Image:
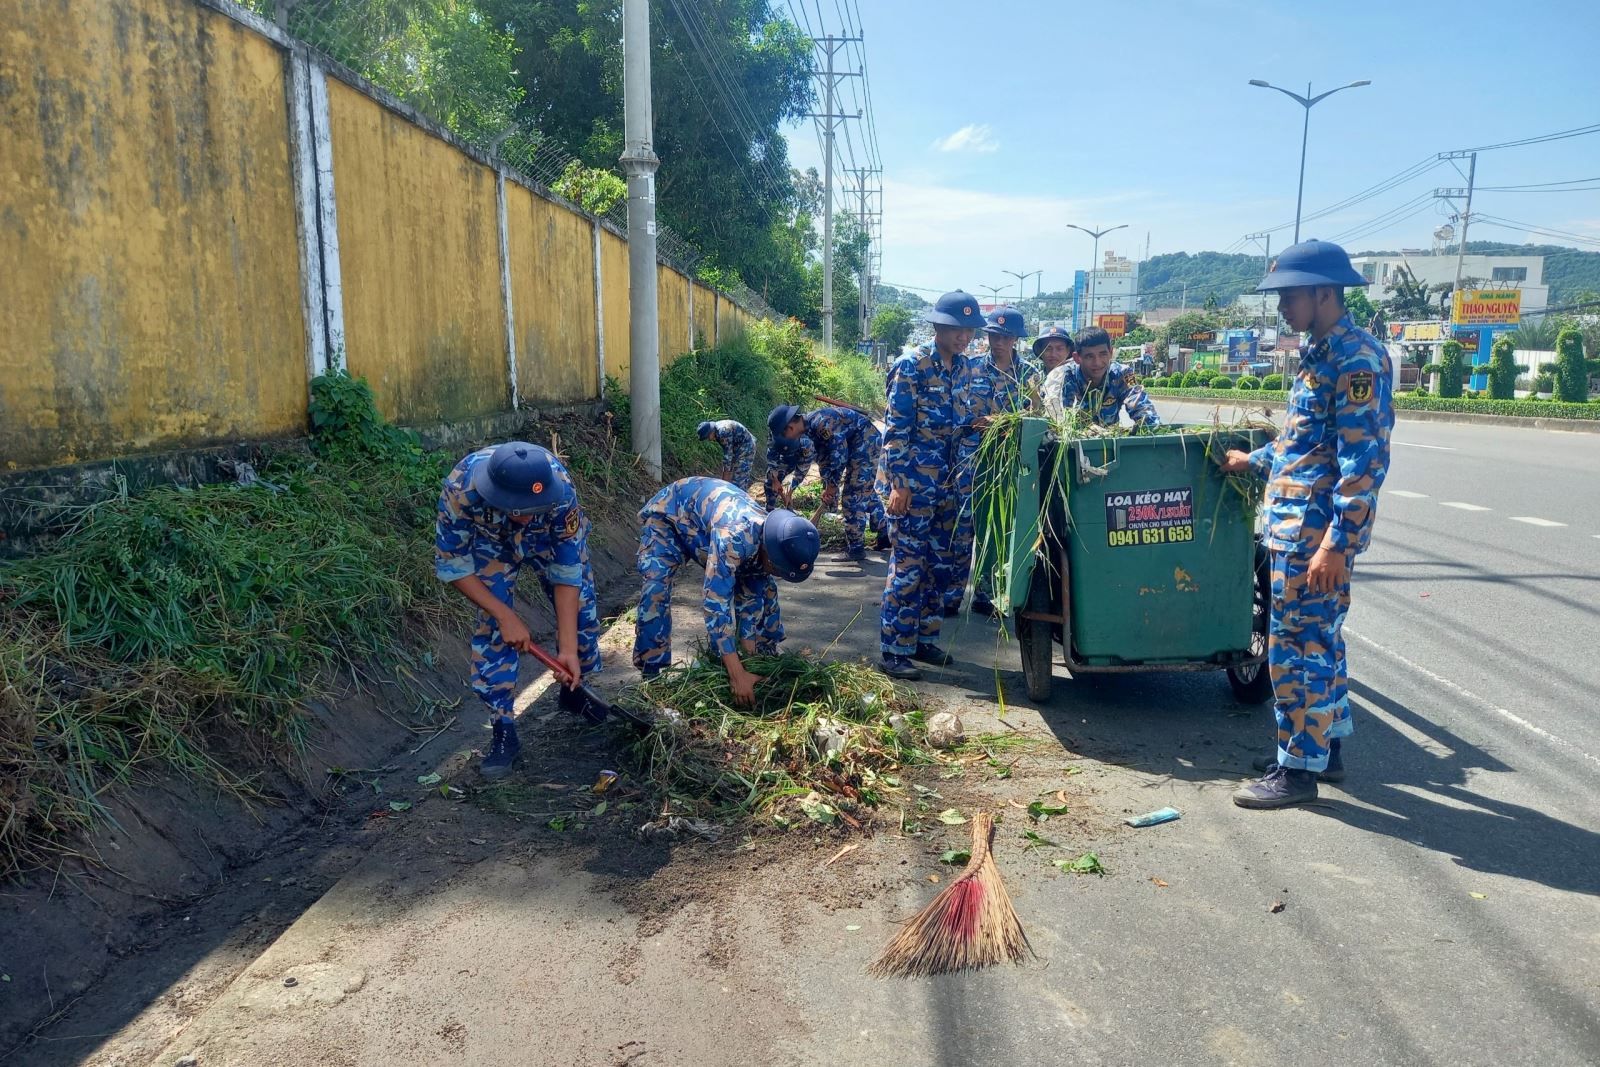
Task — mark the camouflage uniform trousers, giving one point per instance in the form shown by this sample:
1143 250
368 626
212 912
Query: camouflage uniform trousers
743 467
858 504
913 602
1305 658
494 663
956 567
660 556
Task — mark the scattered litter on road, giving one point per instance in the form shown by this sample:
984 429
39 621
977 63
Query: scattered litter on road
675 826
952 817
945 730
846 850
604 780
428 779
1154 818
290 982
1035 840
399 805
1159 883
1277 906
1040 812
852 927
1088 863
1479 896
953 855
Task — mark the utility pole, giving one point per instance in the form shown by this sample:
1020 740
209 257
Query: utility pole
639 163
864 214
1308 102
1466 212
830 46
1266 265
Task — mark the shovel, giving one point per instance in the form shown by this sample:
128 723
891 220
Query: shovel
585 700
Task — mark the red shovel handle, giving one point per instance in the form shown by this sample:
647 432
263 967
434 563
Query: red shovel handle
562 674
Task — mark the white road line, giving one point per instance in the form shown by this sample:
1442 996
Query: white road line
1532 521
1439 680
1407 494
1413 444
1463 507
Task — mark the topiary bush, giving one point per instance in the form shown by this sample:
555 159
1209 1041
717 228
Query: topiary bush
1248 381
1572 374
1451 366
1503 370
1272 381
1222 381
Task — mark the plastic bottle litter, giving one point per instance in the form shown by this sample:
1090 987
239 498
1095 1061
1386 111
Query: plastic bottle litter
1154 818
605 780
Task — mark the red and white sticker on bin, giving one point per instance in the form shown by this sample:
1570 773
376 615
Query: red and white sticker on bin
1150 517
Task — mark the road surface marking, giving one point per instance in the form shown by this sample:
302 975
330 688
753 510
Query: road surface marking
1463 507
1408 494
1470 695
1532 521
1413 444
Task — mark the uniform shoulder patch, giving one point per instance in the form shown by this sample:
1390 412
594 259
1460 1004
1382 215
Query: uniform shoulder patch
1361 386
1130 380
574 523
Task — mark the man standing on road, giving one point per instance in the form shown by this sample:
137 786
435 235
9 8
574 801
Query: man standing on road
1099 385
999 383
1323 474
929 391
741 548
501 508
738 449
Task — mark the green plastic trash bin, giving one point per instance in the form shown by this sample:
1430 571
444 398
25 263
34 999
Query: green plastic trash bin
1161 551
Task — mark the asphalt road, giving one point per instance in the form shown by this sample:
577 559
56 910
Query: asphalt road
1442 906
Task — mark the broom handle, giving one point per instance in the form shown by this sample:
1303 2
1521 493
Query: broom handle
843 404
982 832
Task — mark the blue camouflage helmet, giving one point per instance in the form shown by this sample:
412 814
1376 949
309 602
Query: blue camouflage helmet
1311 263
704 430
519 480
781 417
955 308
1008 321
791 543
1054 333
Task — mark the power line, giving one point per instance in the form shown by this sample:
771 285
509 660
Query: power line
1559 135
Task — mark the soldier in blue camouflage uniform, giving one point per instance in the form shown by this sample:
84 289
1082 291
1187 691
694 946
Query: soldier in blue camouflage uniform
789 458
847 447
998 383
1323 474
741 547
502 508
1052 348
1095 379
738 450
929 397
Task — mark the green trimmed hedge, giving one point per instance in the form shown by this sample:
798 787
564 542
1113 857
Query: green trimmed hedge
1531 409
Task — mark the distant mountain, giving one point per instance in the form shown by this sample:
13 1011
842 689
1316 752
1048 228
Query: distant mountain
1162 279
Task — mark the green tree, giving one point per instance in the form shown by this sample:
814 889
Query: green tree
892 326
1572 374
1361 308
726 76
1410 299
1182 330
1450 369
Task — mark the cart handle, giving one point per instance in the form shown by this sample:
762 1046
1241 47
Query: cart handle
1087 469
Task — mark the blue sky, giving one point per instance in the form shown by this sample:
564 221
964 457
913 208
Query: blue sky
1000 122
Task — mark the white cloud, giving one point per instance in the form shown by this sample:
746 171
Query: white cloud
974 137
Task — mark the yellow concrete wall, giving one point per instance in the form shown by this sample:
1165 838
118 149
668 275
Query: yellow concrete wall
419 252
149 292
728 318
705 315
552 299
672 313
616 305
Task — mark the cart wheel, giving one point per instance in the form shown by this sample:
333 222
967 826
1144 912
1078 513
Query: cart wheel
1035 638
1252 684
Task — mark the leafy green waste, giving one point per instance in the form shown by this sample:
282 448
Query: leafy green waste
1088 863
708 758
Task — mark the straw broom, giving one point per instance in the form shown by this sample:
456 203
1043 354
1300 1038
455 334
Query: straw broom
970 924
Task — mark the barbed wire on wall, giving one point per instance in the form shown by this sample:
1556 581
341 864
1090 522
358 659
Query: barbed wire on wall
378 40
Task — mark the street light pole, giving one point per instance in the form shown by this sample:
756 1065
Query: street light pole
1308 102
1022 277
1093 267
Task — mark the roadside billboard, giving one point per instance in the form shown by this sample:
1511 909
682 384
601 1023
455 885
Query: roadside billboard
1486 307
1241 348
1116 325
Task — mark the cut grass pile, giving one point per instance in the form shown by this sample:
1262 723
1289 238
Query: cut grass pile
824 742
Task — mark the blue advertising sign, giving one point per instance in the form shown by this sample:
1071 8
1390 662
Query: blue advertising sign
1241 348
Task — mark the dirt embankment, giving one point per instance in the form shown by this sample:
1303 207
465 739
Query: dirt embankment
167 845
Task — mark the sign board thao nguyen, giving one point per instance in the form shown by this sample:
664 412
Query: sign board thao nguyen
1486 307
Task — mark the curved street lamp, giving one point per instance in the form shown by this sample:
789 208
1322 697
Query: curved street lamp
1094 264
1308 102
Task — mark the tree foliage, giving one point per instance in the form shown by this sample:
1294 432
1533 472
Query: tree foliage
892 326
1503 369
1451 369
1572 375
1208 275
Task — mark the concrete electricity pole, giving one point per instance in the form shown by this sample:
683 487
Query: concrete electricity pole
1466 212
864 215
830 46
1266 264
639 163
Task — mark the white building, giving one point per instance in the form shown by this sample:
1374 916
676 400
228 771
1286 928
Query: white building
1114 288
1492 272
